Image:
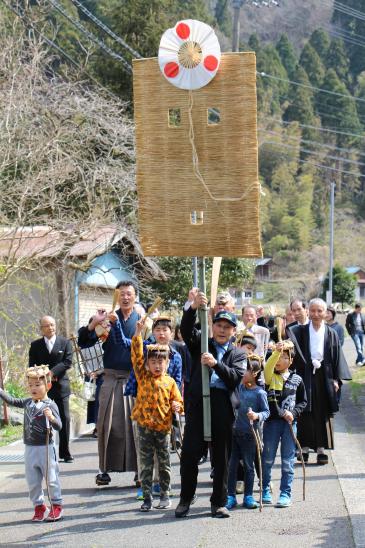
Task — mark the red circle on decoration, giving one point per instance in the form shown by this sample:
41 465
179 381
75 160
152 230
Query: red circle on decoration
210 62
183 31
171 70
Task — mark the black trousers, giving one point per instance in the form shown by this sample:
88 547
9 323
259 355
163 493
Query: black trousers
63 405
194 445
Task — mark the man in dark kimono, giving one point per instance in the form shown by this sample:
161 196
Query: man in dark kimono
116 446
321 364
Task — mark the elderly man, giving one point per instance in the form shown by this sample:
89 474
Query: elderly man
226 367
321 364
261 334
56 352
116 445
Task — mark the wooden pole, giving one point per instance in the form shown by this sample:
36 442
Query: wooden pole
5 407
203 313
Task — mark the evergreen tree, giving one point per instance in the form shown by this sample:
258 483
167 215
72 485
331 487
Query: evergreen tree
344 108
337 59
223 16
287 55
312 64
254 43
320 41
234 272
354 26
269 62
360 93
300 108
141 24
344 285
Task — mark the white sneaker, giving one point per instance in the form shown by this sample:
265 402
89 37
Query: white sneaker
163 503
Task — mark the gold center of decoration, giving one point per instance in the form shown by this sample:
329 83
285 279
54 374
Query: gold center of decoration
190 54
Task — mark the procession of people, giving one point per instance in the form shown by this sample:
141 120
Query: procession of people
271 379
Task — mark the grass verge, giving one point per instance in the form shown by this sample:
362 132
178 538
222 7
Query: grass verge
10 433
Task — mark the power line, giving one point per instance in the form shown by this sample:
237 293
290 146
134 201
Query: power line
59 49
312 142
327 130
92 36
313 153
347 10
321 166
106 29
320 90
286 97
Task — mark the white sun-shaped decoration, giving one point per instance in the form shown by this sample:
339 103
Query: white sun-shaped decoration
189 54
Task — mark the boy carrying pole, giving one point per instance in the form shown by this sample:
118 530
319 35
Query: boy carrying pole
40 416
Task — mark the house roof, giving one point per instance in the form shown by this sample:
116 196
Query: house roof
354 269
45 242
29 241
263 261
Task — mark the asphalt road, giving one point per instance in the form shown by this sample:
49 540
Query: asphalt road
109 516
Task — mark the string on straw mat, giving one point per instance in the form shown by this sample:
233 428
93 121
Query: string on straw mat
195 160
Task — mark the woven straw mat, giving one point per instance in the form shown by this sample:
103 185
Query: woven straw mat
168 189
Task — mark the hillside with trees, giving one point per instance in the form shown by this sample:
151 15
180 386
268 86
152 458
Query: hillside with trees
311 96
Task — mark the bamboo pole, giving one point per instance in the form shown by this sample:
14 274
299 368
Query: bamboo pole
203 314
5 407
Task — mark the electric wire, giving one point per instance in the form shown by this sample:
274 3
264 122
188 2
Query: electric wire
60 50
127 67
320 90
312 142
313 153
106 29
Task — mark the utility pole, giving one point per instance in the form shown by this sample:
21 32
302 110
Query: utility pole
330 274
237 5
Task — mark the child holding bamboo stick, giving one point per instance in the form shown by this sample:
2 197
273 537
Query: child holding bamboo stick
253 408
40 416
287 400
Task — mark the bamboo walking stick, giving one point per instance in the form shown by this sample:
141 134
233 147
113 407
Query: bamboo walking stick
47 465
258 449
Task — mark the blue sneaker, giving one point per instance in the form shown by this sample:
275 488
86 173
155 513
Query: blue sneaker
156 490
284 501
266 496
231 502
249 502
140 494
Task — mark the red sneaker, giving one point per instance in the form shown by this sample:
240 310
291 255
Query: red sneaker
40 512
56 513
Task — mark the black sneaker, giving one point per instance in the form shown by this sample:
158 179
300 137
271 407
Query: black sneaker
182 509
322 459
103 479
146 505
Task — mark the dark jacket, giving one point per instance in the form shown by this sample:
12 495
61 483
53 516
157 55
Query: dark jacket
116 354
334 364
35 423
351 323
58 361
230 369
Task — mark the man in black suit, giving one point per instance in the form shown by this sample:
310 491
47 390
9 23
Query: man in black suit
56 352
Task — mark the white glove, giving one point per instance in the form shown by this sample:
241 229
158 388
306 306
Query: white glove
316 365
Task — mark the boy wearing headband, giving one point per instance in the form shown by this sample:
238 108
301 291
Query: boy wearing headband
158 397
40 416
